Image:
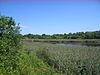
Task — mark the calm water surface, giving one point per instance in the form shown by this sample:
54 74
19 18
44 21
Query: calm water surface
73 44
68 44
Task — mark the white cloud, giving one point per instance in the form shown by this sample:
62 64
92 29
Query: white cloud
23 26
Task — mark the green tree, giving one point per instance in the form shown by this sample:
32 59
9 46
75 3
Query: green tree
10 43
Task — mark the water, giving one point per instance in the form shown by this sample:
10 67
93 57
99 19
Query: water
68 44
79 44
73 43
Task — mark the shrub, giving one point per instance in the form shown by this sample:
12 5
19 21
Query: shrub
9 45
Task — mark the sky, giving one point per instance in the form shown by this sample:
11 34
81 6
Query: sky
54 17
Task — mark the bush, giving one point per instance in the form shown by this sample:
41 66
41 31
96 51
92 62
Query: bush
9 45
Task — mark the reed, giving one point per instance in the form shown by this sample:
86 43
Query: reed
76 60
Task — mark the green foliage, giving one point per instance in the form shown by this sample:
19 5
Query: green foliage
9 45
30 64
78 35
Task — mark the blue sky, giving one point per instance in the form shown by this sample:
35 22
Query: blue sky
53 17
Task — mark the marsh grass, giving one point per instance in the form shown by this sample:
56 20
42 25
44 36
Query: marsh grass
30 64
76 60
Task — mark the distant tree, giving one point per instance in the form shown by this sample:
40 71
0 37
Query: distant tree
29 36
53 37
97 34
43 34
89 35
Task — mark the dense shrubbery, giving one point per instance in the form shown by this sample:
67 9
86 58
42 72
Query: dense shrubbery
78 35
9 45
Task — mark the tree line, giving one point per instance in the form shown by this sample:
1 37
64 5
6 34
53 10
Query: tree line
77 35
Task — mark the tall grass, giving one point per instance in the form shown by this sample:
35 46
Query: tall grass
76 60
30 64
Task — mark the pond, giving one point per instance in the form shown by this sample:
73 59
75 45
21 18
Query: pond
79 44
89 43
68 44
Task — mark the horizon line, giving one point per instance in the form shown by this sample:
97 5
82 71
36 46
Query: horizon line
59 33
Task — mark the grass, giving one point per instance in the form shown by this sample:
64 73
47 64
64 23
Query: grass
26 62
30 64
75 60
